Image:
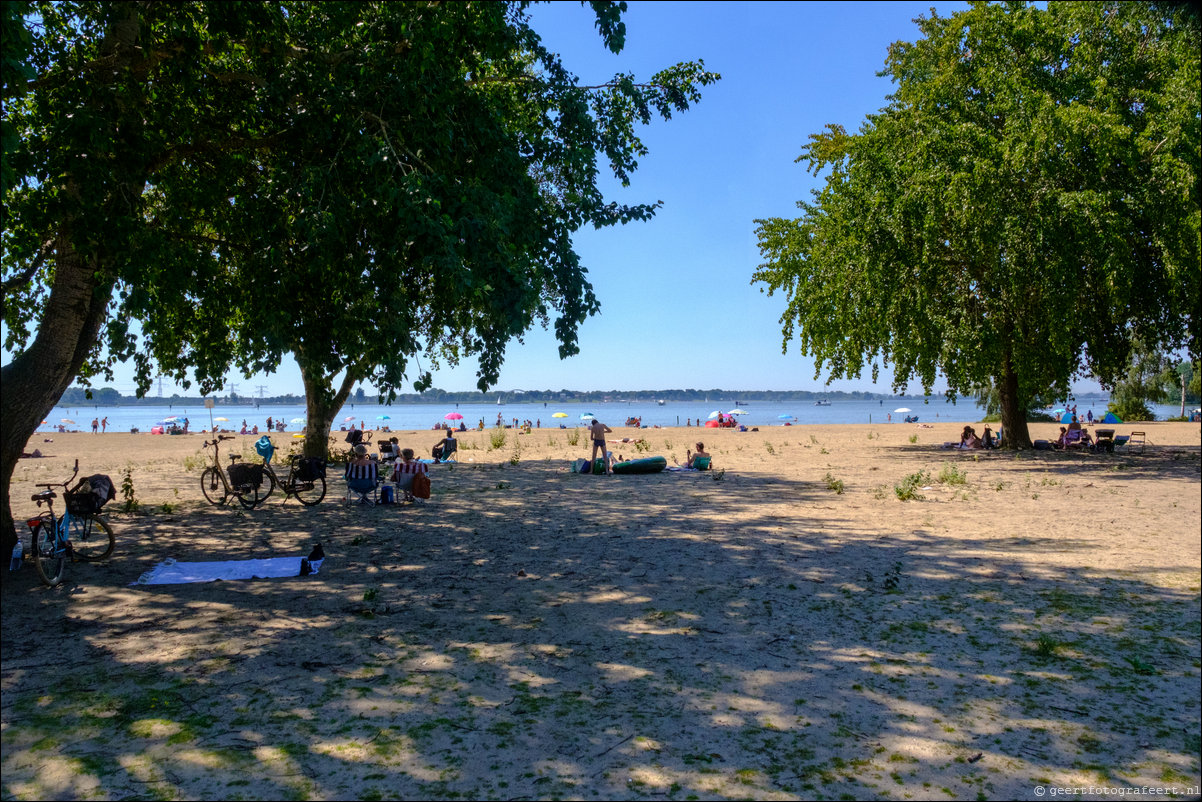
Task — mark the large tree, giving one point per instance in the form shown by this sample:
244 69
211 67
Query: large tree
423 200
107 106
1025 205
328 179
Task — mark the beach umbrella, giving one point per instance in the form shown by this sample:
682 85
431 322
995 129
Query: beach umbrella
383 417
298 434
1111 418
224 419
68 420
453 416
586 416
297 420
560 415
1060 411
902 409
737 411
715 414
348 418
171 418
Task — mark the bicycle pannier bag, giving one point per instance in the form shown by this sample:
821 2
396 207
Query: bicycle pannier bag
243 474
421 486
311 468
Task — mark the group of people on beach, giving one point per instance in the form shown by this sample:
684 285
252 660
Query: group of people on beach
401 464
969 438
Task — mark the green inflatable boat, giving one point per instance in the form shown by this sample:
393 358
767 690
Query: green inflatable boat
645 465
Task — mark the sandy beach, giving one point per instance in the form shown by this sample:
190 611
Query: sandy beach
784 627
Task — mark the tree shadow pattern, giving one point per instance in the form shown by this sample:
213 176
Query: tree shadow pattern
532 634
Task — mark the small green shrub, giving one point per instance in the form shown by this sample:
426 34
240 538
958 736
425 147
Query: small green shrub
496 439
907 489
573 437
127 492
913 438
833 484
951 475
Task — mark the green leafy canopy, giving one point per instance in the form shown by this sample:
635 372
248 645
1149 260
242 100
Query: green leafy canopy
1026 202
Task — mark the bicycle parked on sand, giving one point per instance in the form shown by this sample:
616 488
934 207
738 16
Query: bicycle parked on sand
306 479
243 480
78 534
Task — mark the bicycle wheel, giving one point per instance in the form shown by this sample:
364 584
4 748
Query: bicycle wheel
309 493
247 495
50 561
270 480
92 538
212 485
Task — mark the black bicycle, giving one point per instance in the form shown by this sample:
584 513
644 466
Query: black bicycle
242 480
306 479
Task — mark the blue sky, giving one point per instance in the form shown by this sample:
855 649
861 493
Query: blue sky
678 306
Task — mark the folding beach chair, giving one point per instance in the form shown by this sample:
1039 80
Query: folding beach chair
362 482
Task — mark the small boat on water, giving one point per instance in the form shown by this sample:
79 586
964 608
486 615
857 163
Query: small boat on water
822 402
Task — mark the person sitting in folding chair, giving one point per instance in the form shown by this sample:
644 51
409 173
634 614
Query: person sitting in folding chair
404 472
362 477
445 447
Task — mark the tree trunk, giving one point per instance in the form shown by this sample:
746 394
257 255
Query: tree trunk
322 403
35 380
1016 435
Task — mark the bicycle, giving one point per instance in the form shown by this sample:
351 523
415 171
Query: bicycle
78 534
306 480
218 486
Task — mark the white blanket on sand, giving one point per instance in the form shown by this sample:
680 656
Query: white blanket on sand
171 572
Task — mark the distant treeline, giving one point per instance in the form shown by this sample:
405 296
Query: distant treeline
108 397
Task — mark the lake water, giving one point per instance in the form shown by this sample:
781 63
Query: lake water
613 413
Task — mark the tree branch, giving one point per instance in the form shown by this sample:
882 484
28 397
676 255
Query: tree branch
25 275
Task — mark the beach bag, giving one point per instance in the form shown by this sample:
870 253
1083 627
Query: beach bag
386 494
421 486
264 448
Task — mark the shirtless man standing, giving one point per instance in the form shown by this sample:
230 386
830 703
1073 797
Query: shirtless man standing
597 431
